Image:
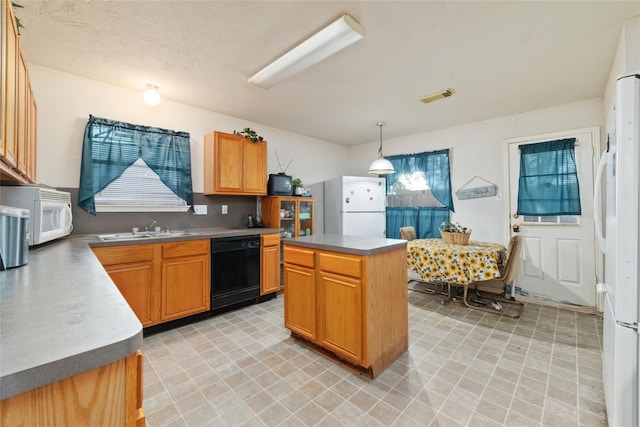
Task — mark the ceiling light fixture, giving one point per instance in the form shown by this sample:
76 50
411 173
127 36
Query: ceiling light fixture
444 93
331 39
151 95
381 166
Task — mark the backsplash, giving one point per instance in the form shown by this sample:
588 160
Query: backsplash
115 222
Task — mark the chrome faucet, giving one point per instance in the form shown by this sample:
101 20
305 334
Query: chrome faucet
149 226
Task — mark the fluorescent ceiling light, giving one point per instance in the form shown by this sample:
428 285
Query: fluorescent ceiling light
331 39
444 93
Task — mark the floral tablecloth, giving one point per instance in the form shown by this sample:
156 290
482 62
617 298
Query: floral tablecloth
436 261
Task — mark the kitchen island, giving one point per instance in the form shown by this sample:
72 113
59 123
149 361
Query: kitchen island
347 297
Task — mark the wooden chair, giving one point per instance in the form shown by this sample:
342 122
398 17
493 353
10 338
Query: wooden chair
408 233
507 276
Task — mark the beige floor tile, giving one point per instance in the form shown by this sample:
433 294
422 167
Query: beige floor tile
463 368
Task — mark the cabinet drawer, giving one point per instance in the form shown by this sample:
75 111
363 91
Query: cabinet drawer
344 265
124 254
185 248
270 239
303 257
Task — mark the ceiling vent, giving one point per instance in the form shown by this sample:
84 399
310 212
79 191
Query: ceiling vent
444 93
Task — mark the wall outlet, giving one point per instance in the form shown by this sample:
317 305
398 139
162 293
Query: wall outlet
225 209
200 209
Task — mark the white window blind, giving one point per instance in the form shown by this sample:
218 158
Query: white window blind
138 189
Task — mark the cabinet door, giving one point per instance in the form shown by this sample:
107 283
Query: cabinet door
10 80
340 310
288 211
22 134
300 300
133 270
305 217
255 167
135 283
228 163
270 264
185 288
32 139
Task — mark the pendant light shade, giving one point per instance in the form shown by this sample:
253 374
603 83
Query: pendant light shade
381 166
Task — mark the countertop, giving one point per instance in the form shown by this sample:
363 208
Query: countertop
61 315
356 245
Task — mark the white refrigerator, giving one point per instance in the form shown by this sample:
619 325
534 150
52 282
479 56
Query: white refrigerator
620 166
355 206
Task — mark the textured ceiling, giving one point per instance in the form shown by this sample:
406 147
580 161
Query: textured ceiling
500 58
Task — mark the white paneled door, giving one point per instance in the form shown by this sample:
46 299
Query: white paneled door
558 260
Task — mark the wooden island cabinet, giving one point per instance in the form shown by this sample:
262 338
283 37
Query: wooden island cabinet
347 296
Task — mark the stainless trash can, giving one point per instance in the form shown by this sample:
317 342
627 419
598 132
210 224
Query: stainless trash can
14 237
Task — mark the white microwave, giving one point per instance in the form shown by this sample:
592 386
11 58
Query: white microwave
50 211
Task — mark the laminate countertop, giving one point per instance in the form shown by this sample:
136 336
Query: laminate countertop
61 315
356 245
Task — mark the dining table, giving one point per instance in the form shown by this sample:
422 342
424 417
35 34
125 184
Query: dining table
454 264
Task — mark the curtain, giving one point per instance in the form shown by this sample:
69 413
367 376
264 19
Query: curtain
110 147
548 183
434 165
425 219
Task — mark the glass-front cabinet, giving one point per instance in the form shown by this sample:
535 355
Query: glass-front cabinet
292 215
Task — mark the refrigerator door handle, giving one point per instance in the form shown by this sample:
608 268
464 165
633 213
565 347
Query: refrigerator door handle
597 202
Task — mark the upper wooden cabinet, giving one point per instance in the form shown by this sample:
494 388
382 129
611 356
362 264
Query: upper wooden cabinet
18 124
234 164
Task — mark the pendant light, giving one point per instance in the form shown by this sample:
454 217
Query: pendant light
381 166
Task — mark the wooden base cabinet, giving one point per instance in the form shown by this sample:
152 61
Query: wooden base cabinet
110 395
353 306
162 281
185 279
269 263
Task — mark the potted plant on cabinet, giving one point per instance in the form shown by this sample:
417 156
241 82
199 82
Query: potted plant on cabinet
297 187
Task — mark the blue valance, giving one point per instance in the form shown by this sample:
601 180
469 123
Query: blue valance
110 147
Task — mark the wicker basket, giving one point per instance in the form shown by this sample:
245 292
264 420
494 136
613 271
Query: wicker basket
455 238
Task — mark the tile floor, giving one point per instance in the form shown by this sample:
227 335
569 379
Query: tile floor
463 367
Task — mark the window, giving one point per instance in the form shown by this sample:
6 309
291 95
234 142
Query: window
419 193
138 189
548 184
411 190
127 167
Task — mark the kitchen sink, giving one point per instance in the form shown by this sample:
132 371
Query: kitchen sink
144 235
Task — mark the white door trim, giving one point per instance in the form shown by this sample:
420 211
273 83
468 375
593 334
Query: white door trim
594 131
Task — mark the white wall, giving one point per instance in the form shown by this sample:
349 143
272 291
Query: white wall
626 61
478 149
65 102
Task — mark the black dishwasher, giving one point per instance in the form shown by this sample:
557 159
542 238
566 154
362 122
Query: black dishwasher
235 271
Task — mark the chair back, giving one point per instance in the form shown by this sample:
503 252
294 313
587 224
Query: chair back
513 255
408 233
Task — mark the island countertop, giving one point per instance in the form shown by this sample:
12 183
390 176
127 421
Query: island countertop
356 245
61 314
